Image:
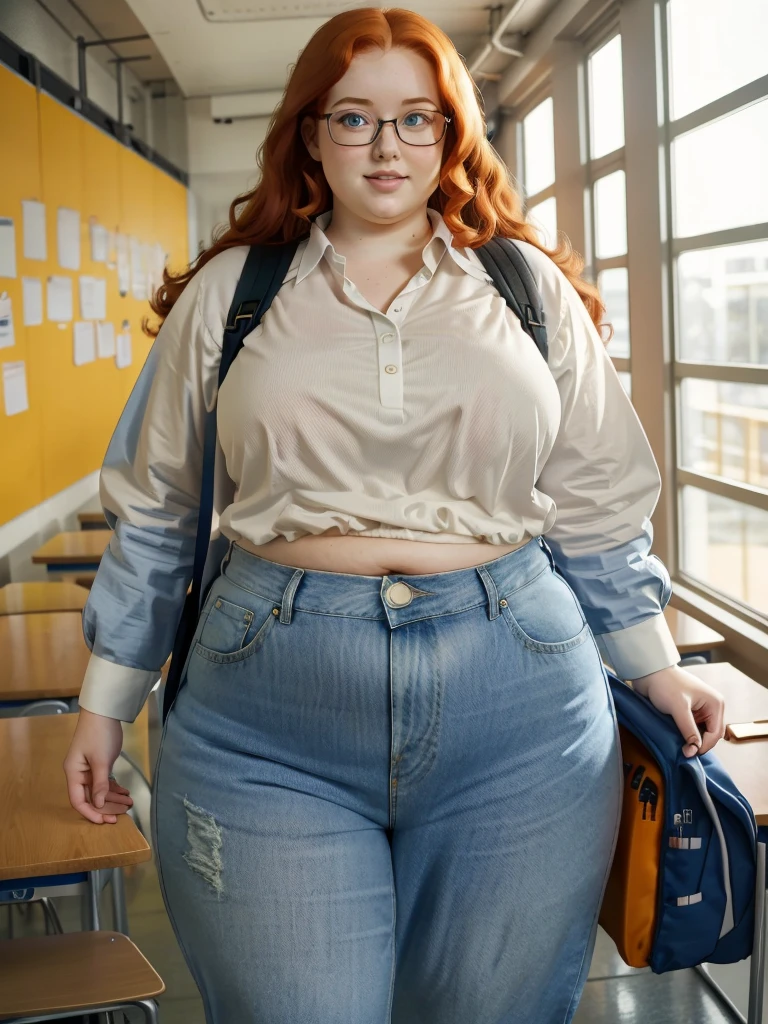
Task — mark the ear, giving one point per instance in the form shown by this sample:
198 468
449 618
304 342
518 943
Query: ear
309 126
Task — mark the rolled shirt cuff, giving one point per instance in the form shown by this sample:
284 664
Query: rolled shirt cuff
639 650
115 691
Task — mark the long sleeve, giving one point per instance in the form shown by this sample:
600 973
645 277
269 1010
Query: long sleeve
605 482
149 488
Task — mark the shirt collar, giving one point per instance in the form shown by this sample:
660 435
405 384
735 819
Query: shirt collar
319 246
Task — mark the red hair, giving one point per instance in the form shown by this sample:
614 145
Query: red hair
476 195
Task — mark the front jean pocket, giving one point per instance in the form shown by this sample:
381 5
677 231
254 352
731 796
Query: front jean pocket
545 614
235 630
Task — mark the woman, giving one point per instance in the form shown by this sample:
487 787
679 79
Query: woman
390 783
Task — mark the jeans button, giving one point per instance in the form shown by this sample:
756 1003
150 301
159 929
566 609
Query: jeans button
399 595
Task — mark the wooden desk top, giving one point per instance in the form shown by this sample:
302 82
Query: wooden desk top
747 761
689 633
26 598
43 655
74 546
42 834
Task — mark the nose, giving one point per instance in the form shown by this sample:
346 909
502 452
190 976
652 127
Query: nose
387 142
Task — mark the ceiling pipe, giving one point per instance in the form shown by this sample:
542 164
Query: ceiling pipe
494 43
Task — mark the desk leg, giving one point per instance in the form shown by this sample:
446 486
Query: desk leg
94 894
119 909
757 963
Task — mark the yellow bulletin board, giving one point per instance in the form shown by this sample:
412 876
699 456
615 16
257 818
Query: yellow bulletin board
54 156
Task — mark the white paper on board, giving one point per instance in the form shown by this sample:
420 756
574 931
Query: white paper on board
93 297
124 357
99 242
85 342
59 298
32 295
105 340
68 238
123 264
138 271
15 388
7 247
33 218
6 322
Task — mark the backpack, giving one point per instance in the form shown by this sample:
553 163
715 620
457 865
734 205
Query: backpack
683 876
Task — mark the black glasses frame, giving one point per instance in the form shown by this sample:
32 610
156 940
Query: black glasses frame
381 123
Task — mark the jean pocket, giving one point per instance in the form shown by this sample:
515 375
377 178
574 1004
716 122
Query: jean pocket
235 630
545 615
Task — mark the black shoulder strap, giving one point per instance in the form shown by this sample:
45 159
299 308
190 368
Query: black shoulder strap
513 277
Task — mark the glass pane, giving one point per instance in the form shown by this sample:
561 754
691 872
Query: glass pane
725 429
724 544
719 173
714 47
606 99
626 381
539 147
614 291
611 215
544 217
723 304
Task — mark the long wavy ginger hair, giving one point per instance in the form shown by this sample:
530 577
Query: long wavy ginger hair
475 195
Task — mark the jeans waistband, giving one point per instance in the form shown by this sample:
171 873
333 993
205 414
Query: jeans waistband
331 593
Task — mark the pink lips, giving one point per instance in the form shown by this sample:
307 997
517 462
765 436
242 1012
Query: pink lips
388 184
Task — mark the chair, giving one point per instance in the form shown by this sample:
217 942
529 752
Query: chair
50 977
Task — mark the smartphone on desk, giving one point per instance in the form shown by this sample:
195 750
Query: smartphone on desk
747 730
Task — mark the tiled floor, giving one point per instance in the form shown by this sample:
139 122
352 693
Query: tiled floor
614 994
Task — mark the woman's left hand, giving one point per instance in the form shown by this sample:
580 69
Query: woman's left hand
689 701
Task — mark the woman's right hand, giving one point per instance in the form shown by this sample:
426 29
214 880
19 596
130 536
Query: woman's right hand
94 749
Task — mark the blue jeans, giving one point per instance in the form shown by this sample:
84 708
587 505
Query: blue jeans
389 798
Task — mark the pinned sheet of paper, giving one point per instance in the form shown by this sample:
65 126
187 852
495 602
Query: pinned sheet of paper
123 264
93 298
68 238
85 342
6 322
7 247
32 294
99 242
124 357
15 388
59 298
33 217
105 340
138 270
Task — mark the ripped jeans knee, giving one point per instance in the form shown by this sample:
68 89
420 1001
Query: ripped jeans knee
203 854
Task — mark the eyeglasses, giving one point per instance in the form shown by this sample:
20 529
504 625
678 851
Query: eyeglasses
356 128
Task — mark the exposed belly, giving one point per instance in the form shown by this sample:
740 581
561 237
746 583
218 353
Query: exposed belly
377 556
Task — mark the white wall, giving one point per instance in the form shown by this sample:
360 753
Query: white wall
222 163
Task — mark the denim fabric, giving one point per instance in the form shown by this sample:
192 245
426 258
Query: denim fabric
367 813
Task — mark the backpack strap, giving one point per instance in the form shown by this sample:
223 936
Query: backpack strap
262 275
514 279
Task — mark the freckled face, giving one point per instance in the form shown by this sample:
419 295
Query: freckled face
386 79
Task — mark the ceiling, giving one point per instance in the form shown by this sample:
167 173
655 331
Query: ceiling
214 47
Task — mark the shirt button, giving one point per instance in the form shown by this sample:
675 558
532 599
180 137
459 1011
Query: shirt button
391 368
387 337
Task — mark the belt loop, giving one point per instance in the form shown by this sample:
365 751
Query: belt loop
491 591
545 547
286 608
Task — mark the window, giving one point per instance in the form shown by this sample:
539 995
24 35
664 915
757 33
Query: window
605 202
719 207
537 141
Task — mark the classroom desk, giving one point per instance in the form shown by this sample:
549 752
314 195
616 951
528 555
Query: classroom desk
747 764
74 551
48 837
690 635
29 598
43 655
92 521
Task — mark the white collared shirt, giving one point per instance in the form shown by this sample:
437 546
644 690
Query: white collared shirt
435 420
